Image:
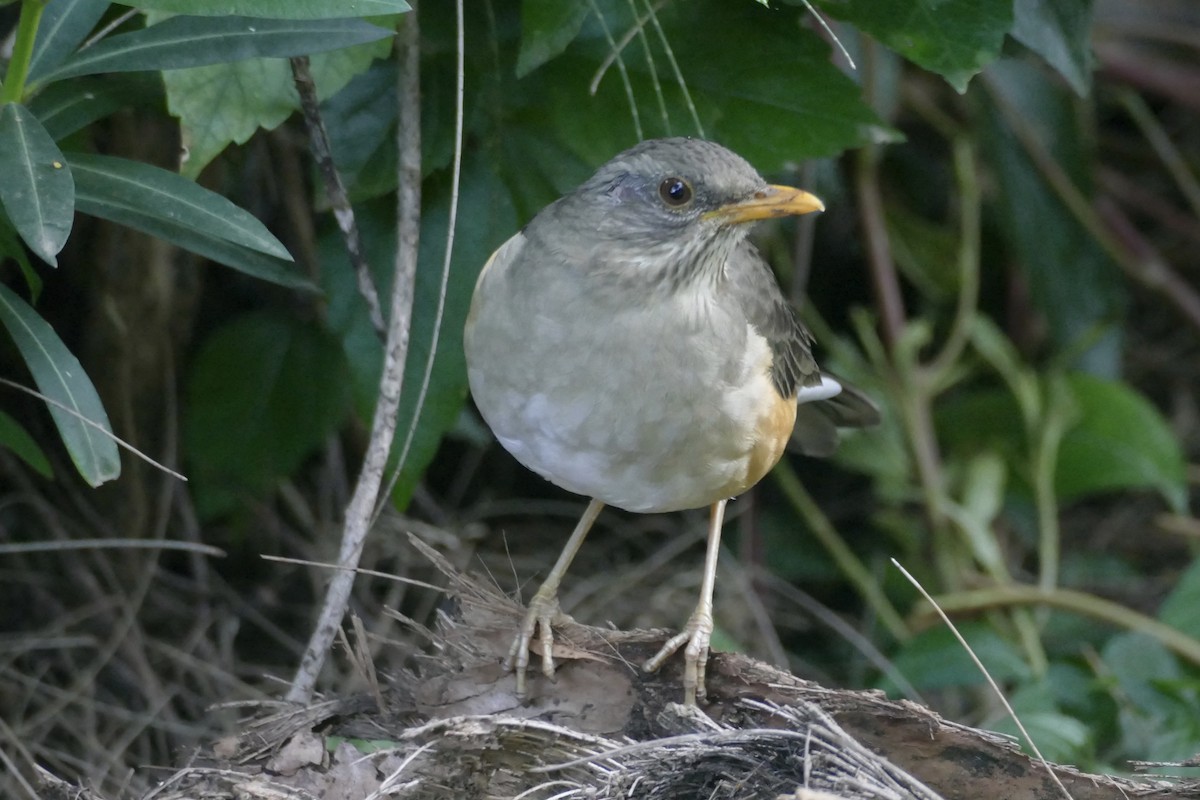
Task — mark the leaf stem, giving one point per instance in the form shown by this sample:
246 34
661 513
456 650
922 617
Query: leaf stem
22 55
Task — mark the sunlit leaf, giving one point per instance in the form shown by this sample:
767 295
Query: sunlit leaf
60 377
182 42
35 184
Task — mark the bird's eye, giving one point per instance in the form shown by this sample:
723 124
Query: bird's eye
675 192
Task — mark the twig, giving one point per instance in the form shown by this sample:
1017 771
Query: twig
335 190
987 676
93 424
451 226
383 425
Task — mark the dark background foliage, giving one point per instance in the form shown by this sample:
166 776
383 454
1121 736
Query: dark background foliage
1007 264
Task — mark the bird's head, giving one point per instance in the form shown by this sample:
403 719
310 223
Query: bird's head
676 204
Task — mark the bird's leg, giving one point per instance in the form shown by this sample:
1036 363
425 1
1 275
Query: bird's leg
697 633
543 608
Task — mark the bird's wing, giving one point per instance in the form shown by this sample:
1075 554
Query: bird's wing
753 285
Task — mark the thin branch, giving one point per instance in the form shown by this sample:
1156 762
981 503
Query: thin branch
335 190
451 225
383 425
615 53
93 424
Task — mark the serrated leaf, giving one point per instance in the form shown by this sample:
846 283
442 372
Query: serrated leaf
64 24
227 103
183 42
547 27
265 391
60 377
1120 441
1060 32
156 193
36 189
737 90
16 439
954 38
275 9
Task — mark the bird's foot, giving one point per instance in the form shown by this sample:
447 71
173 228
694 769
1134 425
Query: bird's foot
696 634
543 609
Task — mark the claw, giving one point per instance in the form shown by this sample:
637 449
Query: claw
696 634
539 619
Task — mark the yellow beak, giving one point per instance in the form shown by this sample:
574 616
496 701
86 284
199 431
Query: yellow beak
774 201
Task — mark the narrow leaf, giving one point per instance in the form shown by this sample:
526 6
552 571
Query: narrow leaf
157 193
181 42
36 189
69 106
60 377
16 439
64 24
94 201
276 9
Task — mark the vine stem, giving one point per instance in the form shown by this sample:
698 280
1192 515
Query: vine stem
22 54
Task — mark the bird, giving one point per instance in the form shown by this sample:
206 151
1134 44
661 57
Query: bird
630 344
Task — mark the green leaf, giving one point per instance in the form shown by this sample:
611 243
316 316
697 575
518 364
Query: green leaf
1060 32
547 27
227 103
954 38
157 193
182 42
1120 441
66 107
265 392
1140 664
275 9
1180 608
485 220
17 439
736 89
1071 279
934 659
36 189
11 247
60 377
64 25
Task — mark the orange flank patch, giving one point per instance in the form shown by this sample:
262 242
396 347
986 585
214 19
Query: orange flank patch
771 435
